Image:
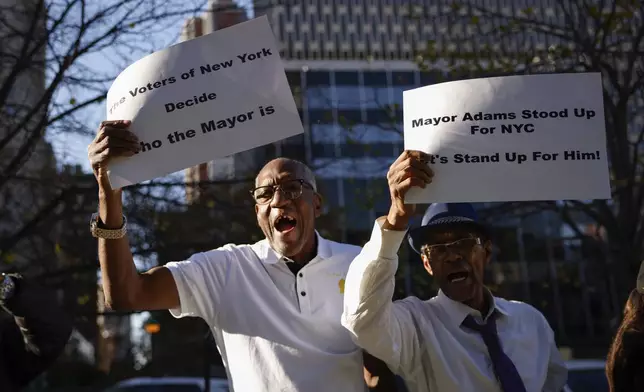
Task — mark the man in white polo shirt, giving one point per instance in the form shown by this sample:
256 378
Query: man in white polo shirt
274 306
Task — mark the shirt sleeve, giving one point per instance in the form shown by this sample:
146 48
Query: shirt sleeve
201 281
384 329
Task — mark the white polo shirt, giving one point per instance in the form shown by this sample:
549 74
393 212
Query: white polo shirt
275 331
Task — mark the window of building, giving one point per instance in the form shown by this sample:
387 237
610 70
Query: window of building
346 78
317 78
431 77
379 192
385 116
323 150
328 188
349 117
363 167
372 133
326 133
320 116
376 97
295 82
358 150
319 97
348 97
357 204
403 78
375 78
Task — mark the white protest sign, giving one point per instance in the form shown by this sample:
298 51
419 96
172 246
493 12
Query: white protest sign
201 99
513 138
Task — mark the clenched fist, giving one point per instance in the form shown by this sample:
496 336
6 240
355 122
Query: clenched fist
410 169
113 140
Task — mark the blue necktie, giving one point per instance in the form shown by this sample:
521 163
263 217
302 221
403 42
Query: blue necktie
506 373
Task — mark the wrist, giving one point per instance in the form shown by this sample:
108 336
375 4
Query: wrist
396 220
109 195
110 210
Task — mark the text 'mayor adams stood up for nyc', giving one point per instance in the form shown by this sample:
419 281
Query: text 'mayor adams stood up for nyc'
274 307
464 339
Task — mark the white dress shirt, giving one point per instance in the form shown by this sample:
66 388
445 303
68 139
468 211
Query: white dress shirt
424 342
275 331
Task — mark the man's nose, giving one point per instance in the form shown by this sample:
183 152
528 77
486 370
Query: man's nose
279 199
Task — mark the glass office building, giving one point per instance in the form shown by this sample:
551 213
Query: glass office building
353 131
348 64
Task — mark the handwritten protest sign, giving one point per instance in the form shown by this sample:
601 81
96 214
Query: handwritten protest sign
206 98
514 138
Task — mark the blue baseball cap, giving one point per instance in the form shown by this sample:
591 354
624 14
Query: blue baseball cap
445 216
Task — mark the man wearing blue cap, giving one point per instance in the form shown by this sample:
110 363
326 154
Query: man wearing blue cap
463 339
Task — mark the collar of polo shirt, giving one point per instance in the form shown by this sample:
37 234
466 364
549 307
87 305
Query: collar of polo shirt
269 256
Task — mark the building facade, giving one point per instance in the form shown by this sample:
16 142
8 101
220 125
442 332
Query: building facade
348 63
24 84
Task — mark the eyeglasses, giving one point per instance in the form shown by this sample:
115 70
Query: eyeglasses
462 247
291 190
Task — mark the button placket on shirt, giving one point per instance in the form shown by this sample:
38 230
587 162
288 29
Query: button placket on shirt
303 293
295 283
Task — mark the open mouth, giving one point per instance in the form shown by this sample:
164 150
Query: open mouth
456 277
285 223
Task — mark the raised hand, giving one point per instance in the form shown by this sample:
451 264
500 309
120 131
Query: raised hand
409 170
113 139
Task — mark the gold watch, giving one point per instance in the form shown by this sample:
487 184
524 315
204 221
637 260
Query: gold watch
98 230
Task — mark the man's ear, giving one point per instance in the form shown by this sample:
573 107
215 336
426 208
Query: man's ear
487 246
426 264
318 201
